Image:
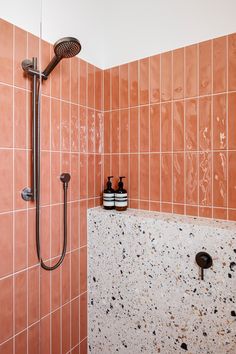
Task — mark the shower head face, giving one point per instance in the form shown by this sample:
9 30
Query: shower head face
67 47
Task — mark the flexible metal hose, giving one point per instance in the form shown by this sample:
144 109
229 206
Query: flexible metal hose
64 179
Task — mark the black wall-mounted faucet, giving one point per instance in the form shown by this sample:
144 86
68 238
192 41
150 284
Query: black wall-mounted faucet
204 261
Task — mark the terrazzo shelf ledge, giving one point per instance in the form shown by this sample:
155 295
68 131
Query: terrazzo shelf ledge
145 290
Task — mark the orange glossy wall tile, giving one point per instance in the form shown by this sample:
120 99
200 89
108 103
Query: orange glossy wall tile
166 122
176 130
41 309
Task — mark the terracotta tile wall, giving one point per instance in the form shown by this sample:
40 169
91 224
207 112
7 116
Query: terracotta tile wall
46 312
170 127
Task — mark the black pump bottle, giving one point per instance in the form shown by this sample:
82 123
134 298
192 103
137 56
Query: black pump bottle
109 195
121 200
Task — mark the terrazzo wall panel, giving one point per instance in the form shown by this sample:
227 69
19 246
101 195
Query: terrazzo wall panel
146 295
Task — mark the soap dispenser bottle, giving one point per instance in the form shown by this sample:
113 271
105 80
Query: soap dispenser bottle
109 195
121 200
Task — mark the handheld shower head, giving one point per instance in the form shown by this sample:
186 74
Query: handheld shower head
66 47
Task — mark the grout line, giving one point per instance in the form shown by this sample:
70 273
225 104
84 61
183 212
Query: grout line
198 138
212 134
139 120
27 207
40 105
13 196
227 125
172 136
149 133
50 210
60 234
128 97
160 133
70 238
184 153
169 101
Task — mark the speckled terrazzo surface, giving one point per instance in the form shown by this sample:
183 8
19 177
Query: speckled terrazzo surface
146 295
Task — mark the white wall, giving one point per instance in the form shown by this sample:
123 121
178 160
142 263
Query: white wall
114 32
140 28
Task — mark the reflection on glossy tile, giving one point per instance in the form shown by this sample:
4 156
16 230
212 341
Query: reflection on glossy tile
134 176
191 163
205 179
20 240
115 87
6 313
166 177
178 178
20 51
6 50
133 83
134 127
21 343
155 128
20 120
219 122
220 179
232 179
6 174
205 67
144 80
115 123
83 316
123 86
155 177
232 61
191 124
178 126
124 122
178 73
231 121
144 176
166 127
155 79
91 79
6 122
191 86
75 322
205 128
107 90
219 64
6 244
144 129
107 132
20 298
166 76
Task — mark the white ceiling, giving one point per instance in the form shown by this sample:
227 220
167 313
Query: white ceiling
115 32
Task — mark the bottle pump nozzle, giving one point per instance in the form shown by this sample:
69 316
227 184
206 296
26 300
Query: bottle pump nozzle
120 183
109 181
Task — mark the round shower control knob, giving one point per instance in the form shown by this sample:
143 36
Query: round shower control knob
204 261
65 178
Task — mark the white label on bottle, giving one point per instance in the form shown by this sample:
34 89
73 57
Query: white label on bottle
109 199
121 199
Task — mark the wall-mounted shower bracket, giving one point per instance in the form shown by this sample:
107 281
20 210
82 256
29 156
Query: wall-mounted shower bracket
27 194
28 67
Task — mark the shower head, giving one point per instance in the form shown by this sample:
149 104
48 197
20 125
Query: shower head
66 47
